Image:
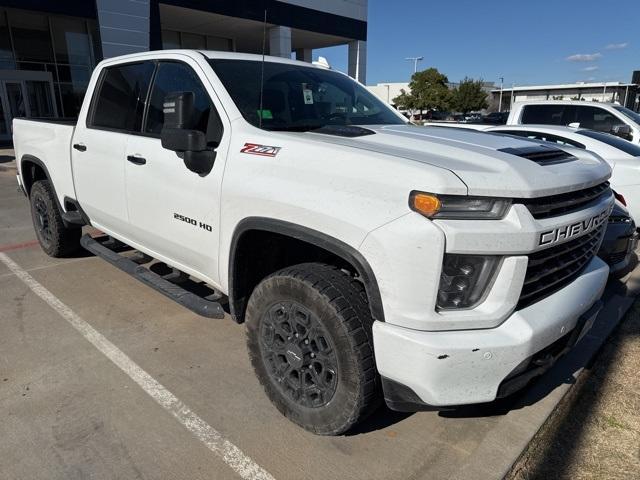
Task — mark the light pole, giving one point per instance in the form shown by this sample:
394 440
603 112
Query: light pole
501 86
415 61
388 88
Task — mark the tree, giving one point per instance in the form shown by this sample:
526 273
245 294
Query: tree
405 101
469 96
430 91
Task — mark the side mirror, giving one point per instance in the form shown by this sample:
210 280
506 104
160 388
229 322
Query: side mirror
190 145
622 131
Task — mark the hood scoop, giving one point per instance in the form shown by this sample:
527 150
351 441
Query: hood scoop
349 131
541 154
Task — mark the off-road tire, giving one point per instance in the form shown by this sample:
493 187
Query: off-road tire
338 307
54 238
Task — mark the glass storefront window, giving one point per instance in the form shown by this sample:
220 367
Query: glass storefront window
6 54
71 41
40 105
31 36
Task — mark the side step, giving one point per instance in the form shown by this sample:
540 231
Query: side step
196 304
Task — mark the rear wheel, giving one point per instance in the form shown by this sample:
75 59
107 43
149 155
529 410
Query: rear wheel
310 342
55 239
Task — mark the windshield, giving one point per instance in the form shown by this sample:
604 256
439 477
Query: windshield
629 114
613 141
299 98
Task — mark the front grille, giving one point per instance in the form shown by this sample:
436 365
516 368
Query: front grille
552 269
564 203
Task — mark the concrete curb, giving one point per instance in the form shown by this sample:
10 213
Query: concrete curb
506 443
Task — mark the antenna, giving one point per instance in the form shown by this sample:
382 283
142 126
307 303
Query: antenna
264 46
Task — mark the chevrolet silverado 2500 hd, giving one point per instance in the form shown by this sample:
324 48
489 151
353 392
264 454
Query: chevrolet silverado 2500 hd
369 258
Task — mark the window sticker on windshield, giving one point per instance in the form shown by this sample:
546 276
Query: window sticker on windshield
307 94
265 114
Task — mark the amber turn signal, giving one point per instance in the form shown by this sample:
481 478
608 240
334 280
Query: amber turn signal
424 203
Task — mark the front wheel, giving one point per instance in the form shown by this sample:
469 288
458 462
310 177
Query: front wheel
310 342
54 238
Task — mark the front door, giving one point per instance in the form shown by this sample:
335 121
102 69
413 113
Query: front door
173 211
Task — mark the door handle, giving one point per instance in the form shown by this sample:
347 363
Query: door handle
136 159
81 147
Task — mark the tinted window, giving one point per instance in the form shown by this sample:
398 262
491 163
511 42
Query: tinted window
543 114
616 142
120 102
629 113
299 98
596 118
177 77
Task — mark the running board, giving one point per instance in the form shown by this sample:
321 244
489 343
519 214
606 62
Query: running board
196 304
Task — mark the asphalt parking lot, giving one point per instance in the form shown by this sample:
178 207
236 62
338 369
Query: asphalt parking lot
68 411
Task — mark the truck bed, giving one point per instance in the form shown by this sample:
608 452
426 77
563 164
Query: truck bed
47 142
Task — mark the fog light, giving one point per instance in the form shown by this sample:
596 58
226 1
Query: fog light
464 280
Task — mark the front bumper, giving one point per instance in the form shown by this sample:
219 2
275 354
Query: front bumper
447 368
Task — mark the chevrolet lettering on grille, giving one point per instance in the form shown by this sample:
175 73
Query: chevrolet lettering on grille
573 230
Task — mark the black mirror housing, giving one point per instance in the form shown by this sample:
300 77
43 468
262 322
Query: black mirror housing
183 140
623 131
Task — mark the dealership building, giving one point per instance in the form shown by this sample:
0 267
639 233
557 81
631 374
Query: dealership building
49 48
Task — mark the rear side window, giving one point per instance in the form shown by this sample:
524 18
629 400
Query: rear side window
543 114
177 77
121 98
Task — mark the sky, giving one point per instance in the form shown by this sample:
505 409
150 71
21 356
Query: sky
525 41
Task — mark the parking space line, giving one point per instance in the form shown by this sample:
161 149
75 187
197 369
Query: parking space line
243 465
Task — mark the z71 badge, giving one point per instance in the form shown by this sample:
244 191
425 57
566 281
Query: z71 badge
264 150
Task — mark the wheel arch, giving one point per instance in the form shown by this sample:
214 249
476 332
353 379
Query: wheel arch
240 288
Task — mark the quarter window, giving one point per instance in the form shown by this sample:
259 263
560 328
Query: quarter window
123 91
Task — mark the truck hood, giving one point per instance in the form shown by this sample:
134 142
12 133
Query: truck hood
489 165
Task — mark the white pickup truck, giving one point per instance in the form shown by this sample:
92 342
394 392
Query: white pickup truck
603 117
369 258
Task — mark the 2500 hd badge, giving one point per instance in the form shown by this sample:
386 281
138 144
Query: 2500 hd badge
574 229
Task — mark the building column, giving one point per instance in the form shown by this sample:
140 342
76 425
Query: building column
358 60
124 26
280 41
304 54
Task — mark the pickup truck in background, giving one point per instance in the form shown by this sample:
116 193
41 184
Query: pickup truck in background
369 258
603 117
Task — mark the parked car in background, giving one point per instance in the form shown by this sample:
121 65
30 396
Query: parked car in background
603 117
472 117
622 155
496 118
620 240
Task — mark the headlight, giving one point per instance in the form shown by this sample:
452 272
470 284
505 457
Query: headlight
464 280
458 206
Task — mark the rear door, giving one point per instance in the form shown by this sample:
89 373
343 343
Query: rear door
174 212
100 140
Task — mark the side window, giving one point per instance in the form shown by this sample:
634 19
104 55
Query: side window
120 101
543 114
595 118
178 77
